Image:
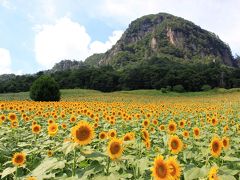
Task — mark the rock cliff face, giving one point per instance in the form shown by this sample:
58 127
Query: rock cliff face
66 65
165 34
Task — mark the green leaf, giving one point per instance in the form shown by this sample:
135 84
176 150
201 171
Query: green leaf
193 173
8 171
228 158
227 177
228 171
47 166
68 147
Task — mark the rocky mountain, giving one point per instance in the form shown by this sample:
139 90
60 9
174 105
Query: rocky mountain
169 36
7 77
66 65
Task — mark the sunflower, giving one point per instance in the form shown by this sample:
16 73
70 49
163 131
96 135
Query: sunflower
175 169
102 135
225 142
185 134
14 124
19 159
145 123
161 170
52 129
51 121
50 153
212 175
64 126
161 127
83 133
182 123
172 127
147 143
2 117
127 137
196 132
155 122
145 134
36 129
226 128
31 178
12 116
216 146
175 144
72 119
214 121
115 148
112 133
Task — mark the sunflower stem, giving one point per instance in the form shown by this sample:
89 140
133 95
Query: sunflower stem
108 165
74 163
16 174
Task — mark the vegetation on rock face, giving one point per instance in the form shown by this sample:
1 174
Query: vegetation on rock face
45 88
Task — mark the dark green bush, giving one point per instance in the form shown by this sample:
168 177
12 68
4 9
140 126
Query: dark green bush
163 90
206 87
45 88
178 88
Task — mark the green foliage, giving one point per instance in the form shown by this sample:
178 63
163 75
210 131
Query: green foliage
93 60
178 88
206 87
45 88
164 90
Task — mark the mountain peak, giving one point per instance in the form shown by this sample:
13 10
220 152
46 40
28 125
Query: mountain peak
163 34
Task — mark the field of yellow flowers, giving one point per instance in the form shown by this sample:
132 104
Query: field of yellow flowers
121 137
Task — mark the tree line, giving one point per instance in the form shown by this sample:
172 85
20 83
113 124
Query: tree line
155 73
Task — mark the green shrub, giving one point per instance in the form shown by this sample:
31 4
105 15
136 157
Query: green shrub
45 88
163 90
206 87
178 88
168 88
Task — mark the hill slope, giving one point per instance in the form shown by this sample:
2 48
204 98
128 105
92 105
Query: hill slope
167 35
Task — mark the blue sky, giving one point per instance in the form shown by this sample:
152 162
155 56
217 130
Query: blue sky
35 34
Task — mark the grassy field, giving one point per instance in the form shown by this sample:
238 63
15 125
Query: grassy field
82 94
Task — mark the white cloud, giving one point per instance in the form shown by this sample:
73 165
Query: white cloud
67 40
64 40
7 4
5 61
100 47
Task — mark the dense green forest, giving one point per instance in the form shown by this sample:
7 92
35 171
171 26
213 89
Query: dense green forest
156 73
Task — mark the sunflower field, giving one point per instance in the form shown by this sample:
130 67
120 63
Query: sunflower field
121 137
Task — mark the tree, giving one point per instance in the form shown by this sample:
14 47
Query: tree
45 88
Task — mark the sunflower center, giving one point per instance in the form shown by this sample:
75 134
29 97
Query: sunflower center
112 134
102 136
225 142
19 159
115 148
215 146
82 133
161 170
126 138
196 132
174 144
171 127
36 129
